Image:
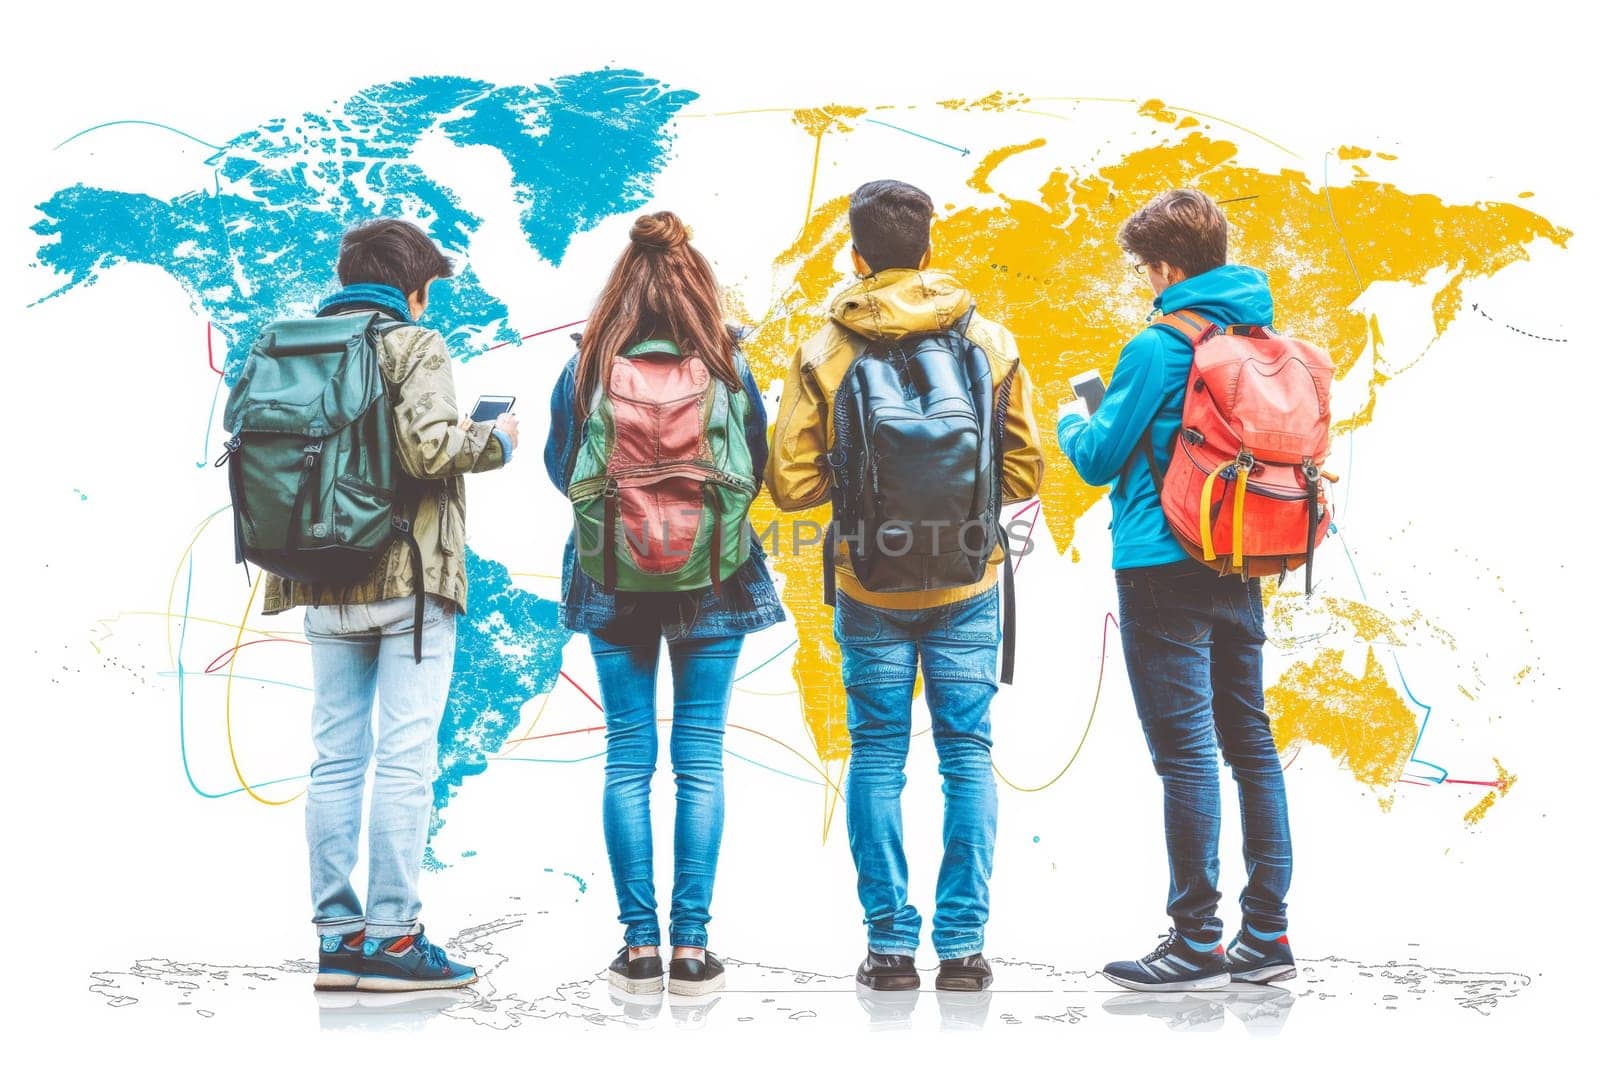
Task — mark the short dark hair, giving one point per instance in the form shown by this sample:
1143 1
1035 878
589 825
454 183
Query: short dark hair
1183 227
391 252
889 224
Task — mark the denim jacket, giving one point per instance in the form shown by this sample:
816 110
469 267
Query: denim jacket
748 601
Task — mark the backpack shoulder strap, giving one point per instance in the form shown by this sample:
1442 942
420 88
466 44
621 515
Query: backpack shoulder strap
1190 325
1194 328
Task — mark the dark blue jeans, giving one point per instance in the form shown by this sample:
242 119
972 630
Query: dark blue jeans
1192 642
880 649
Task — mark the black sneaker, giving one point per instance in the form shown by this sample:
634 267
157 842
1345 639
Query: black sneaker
967 974
1254 957
693 977
639 975
407 962
1176 964
884 972
338 961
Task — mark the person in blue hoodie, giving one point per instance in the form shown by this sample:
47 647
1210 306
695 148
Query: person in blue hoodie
1192 640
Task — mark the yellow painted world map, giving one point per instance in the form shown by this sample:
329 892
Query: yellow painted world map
1048 266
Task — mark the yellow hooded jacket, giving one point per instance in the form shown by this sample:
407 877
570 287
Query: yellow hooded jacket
885 306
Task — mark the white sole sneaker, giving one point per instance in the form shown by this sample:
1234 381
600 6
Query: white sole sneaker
1185 985
682 988
634 986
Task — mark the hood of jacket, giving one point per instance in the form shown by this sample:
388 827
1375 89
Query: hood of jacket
1227 295
892 303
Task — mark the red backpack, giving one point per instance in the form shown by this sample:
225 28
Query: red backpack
1243 493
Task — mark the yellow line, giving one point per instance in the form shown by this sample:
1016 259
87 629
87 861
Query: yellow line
811 193
233 753
172 590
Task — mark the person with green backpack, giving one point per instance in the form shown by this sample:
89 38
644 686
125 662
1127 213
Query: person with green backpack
658 436
344 467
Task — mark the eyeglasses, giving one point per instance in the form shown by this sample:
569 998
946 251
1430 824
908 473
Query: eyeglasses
1137 267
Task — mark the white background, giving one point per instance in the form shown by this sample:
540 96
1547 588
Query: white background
1473 477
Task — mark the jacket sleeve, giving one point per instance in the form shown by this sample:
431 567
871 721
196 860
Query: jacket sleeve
755 427
430 440
1100 445
563 411
799 438
1024 460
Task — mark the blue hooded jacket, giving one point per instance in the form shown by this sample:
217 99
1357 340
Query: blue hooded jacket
1146 392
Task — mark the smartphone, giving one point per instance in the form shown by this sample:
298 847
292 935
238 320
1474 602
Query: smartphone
1089 388
490 408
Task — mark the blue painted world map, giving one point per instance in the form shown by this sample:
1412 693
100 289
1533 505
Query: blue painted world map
261 241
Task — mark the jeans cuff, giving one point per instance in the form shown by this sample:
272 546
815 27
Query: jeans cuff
379 931
341 926
641 935
885 948
691 938
965 948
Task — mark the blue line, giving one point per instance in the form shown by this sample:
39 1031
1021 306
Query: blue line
140 122
1427 709
774 770
766 661
205 450
923 136
243 678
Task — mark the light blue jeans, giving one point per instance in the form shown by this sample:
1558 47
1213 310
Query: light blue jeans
702 681
880 649
358 652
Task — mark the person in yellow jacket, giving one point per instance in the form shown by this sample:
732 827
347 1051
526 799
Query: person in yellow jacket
882 635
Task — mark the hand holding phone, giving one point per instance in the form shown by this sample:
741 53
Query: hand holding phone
490 408
1089 388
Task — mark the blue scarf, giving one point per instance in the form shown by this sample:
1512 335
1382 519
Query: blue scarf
386 297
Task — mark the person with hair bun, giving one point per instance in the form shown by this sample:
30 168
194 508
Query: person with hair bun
658 436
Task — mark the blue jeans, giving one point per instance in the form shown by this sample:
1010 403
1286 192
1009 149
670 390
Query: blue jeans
702 680
1192 642
358 652
879 649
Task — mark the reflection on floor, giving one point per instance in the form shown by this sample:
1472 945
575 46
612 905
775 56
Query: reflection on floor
766 995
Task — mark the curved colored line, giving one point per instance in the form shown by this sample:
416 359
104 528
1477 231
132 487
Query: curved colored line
1328 198
229 653
1105 638
140 122
741 677
233 753
172 590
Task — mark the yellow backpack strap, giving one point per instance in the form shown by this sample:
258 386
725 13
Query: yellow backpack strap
1240 484
1206 547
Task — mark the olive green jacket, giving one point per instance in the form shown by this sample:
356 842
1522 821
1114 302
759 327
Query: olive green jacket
434 448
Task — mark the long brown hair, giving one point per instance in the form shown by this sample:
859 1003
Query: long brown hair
661 287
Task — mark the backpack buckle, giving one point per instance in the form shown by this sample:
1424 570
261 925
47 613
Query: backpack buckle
229 447
402 525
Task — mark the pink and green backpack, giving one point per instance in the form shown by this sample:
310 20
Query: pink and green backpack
661 487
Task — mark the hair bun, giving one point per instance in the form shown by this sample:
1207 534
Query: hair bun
661 231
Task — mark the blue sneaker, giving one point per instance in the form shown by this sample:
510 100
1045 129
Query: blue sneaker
338 961
1254 956
410 961
1178 963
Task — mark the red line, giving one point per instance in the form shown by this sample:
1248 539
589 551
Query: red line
1036 507
1472 781
582 690
210 360
536 333
225 654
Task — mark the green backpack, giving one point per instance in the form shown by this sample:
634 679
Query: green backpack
318 491
662 485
